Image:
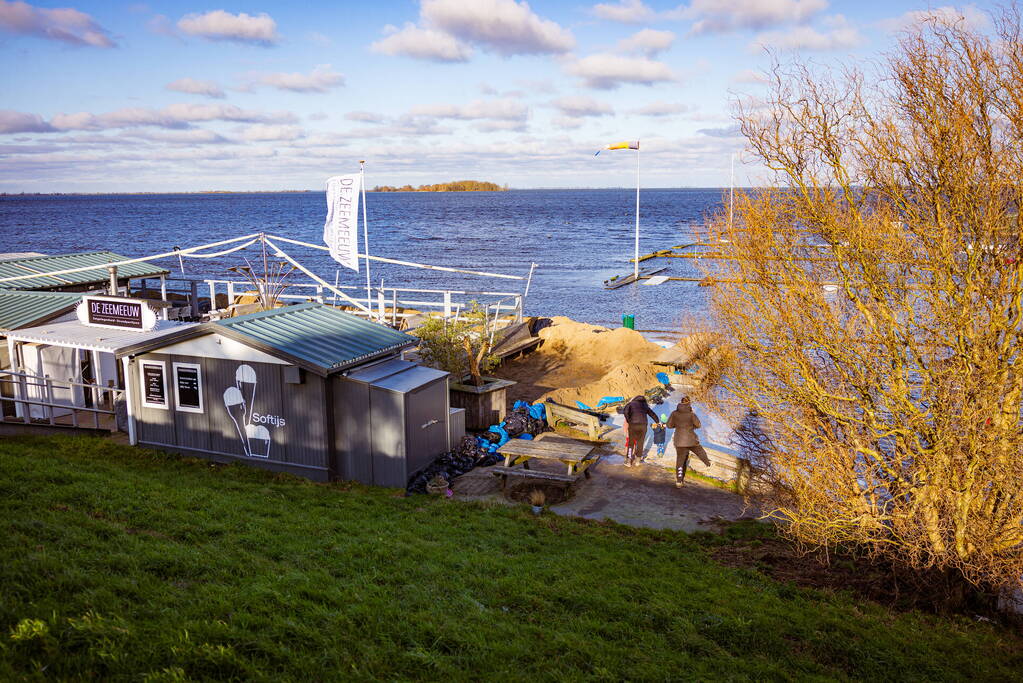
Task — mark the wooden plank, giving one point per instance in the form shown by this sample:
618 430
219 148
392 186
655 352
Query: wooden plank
576 453
530 446
544 454
531 474
573 416
631 277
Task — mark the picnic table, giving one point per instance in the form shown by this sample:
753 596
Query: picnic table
573 453
576 455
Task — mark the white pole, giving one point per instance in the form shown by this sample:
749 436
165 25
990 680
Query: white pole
129 382
731 191
635 269
365 231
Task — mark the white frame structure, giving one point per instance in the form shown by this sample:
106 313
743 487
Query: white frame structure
142 384
177 397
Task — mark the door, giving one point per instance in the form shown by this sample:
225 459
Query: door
427 435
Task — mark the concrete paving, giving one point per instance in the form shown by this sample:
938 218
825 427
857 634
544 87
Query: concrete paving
641 496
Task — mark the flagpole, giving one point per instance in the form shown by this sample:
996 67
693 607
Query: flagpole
635 268
365 230
731 192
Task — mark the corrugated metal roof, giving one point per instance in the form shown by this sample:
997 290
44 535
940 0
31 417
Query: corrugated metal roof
19 309
48 264
317 334
77 335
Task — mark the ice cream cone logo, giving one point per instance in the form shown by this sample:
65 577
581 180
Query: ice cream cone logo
235 404
245 381
258 441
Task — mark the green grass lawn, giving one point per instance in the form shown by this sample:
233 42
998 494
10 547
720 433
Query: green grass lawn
125 563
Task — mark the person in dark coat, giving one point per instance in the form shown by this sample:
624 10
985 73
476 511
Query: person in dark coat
635 413
685 423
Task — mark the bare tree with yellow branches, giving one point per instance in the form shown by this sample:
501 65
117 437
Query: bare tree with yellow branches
874 299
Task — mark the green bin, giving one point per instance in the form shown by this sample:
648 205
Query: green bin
629 320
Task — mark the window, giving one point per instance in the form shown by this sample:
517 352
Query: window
154 383
188 387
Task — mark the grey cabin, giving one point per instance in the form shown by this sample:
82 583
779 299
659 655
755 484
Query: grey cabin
305 389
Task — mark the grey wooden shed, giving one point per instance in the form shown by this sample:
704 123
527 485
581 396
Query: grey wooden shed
306 389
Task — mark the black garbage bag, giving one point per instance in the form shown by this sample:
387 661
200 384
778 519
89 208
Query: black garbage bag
516 423
465 456
536 426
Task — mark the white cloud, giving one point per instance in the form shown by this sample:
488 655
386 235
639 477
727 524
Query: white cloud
497 110
749 76
607 72
720 16
194 136
194 87
970 16
319 39
625 11
18 122
261 132
64 24
505 26
661 109
422 43
724 132
365 117
567 122
172 116
648 42
320 79
500 126
578 106
239 28
839 36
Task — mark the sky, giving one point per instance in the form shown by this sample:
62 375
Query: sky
161 97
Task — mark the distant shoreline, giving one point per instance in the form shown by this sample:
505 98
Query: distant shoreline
320 191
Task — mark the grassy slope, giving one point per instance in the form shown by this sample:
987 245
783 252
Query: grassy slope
140 563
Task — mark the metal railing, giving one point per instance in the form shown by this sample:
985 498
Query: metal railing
16 387
388 303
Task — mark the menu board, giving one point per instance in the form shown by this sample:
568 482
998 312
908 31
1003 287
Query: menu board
154 385
189 389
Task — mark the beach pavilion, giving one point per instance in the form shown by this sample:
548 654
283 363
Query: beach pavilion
60 364
306 389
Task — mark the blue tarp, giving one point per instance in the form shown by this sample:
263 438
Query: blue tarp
536 411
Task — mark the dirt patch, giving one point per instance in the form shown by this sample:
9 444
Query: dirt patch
835 571
583 362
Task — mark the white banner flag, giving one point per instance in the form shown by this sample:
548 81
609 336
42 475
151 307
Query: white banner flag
341 230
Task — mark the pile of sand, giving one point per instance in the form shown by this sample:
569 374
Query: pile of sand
581 362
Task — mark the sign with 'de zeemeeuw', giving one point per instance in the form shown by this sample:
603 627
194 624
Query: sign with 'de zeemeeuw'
116 312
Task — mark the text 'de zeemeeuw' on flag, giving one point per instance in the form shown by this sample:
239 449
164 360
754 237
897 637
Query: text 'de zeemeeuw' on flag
341 229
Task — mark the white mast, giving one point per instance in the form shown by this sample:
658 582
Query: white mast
635 269
365 230
731 191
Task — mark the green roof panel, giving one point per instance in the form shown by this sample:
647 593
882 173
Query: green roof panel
20 309
49 264
316 334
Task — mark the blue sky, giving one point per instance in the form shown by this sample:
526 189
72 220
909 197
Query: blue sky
105 96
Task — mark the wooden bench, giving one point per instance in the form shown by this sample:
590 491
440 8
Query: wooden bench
557 411
531 475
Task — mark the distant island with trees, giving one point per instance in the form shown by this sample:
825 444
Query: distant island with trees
456 186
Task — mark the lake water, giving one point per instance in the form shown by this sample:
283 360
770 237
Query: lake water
577 238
